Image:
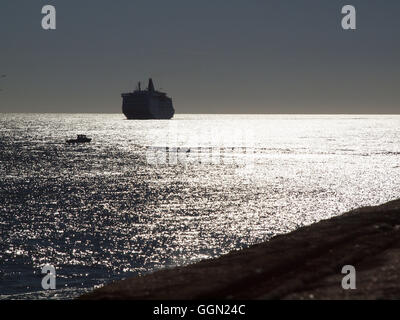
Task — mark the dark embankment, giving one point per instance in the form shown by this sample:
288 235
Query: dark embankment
303 264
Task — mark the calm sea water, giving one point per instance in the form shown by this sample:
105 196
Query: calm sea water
103 211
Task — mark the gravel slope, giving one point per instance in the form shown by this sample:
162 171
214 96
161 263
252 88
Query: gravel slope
304 264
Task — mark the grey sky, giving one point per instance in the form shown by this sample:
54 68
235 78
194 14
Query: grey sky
247 56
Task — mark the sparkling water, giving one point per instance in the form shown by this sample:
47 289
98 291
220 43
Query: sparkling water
104 211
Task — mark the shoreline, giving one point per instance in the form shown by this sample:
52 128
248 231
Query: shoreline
303 264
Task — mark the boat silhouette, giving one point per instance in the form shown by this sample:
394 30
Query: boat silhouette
81 138
147 104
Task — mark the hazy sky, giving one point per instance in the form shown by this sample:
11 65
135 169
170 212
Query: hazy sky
219 56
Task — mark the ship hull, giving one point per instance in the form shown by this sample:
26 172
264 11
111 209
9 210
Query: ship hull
146 107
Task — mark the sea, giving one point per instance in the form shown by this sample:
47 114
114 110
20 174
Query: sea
154 194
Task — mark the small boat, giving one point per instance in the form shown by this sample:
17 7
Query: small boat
80 139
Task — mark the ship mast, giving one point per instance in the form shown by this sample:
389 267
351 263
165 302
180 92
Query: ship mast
151 85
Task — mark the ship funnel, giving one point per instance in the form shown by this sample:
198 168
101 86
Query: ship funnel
151 85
